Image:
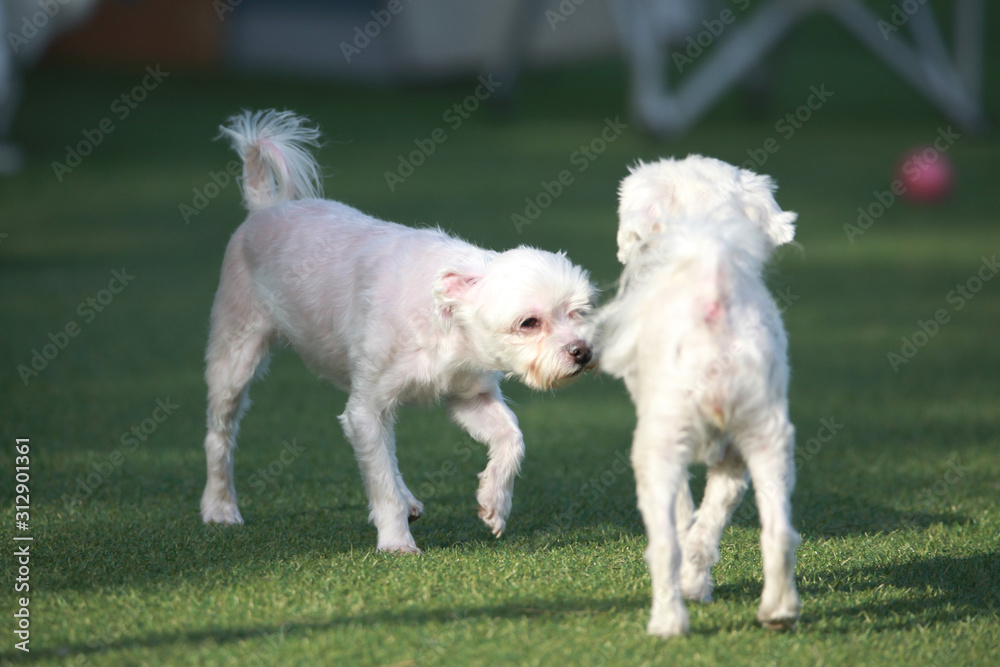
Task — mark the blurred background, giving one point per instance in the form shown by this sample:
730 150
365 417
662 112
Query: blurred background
465 113
506 123
794 88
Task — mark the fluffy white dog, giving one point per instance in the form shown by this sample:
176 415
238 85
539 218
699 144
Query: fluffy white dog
701 347
388 313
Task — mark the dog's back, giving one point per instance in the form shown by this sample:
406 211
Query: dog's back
694 316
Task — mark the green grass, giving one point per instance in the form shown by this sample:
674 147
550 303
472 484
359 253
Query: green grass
899 561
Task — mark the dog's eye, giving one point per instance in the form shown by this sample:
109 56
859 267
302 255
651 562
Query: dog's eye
530 323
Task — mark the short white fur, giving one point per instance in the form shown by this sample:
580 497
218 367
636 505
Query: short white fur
391 315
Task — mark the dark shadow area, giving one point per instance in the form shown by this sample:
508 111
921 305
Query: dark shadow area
938 589
537 608
827 514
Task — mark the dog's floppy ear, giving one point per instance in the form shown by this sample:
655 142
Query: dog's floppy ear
643 202
759 205
636 225
450 288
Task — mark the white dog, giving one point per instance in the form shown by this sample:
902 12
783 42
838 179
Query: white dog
700 344
388 313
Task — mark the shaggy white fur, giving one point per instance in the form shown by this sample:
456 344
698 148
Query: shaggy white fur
700 344
391 315
700 188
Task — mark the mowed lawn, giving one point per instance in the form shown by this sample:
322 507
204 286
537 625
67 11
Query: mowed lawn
107 270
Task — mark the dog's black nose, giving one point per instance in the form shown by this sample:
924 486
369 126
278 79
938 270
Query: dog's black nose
580 351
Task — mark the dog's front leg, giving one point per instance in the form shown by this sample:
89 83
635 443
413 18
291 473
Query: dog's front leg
487 418
370 431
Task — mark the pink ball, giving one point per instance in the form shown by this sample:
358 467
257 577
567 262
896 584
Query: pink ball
927 174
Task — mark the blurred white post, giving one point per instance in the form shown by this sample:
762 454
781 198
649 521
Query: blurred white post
10 155
27 31
950 83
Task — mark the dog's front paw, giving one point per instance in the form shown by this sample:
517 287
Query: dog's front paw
494 506
696 582
400 549
700 554
397 541
781 624
783 616
219 510
668 622
492 520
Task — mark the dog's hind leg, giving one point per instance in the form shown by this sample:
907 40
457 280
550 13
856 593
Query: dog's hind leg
724 489
238 349
659 471
772 469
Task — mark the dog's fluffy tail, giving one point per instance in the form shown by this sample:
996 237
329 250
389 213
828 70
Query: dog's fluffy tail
277 164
